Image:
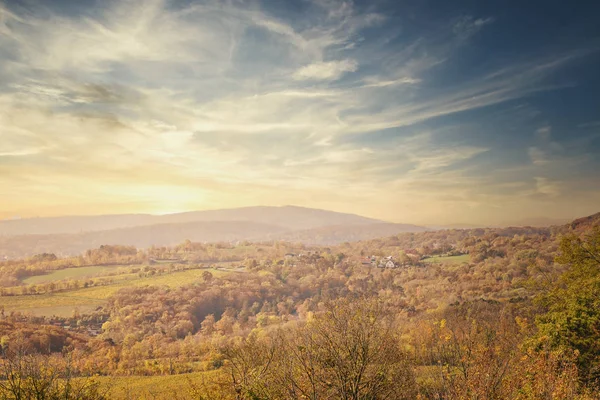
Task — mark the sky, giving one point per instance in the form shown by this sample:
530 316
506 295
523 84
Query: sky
419 111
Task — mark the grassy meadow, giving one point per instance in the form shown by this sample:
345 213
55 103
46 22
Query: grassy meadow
161 387
174 387
75 273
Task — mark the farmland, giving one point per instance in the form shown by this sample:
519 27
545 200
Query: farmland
152 387
181 386
75 273
86 299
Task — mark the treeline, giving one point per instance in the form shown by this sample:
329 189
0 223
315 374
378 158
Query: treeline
481 243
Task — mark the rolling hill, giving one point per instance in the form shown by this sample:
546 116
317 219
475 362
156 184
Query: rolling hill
73 235
288 217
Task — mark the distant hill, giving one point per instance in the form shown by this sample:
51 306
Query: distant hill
289 223
73 235
140 237
288 217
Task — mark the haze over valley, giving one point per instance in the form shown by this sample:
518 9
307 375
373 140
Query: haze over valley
73 235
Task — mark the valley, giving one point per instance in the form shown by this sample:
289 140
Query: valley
164 319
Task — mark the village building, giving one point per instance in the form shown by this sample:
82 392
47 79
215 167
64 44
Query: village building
387 263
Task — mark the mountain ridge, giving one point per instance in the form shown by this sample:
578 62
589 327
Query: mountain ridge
291 217
72 235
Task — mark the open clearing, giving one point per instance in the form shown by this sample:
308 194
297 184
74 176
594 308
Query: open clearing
76 273
163 387
84 299
169 387
447 260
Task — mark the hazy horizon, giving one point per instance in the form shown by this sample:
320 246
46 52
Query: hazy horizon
535 220
405 112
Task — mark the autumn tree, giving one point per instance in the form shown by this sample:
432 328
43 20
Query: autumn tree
37 377
250 363
481 353
572 320
350 351
207 276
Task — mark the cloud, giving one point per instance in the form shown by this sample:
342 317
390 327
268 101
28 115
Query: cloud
544 132
371 82
212 104
592 124
331 70
546 187
467 25
538 156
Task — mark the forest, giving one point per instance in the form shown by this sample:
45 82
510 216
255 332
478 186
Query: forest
503 313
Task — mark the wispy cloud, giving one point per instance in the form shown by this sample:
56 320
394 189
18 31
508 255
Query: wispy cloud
467 25
546 187
326 70
195 103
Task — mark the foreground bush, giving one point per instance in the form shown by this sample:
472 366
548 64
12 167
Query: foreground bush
348 352
37 377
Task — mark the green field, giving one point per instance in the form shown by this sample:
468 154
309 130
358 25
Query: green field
76 273
85 299
173 387
447 260
160 387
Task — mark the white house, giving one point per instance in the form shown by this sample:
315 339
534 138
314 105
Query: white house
387 264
